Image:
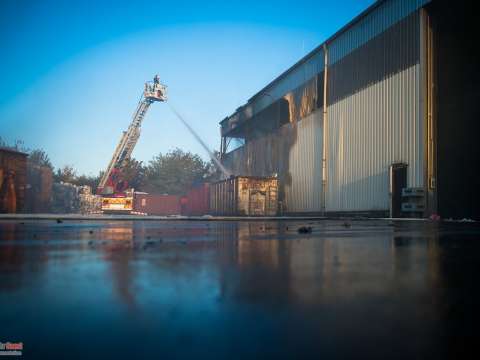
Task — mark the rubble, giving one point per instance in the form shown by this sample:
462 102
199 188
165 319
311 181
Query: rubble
72 199
89 203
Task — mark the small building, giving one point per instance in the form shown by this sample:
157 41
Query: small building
13 175
391 98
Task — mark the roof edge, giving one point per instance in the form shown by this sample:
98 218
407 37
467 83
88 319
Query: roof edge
335 35
10 150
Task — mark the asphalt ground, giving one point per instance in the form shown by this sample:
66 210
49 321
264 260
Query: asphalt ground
154 289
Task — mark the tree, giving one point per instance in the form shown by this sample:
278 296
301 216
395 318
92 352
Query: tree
65 174
88 180
3 143
39 157
134 172
175 172
17 145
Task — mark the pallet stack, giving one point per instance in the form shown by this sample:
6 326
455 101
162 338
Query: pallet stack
413 202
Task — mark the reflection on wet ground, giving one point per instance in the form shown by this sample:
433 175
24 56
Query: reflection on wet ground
140 289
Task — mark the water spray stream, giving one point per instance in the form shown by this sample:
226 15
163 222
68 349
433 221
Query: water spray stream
222 168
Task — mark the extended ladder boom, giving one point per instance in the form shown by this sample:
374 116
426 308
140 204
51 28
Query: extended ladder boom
153 92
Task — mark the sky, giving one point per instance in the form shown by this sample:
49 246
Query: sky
72 72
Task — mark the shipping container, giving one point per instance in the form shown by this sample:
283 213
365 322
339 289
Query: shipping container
245 195
156 204
13 174
197 201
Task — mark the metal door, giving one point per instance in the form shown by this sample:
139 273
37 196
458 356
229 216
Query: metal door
398 181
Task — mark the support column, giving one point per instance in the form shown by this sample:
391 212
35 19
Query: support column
428 113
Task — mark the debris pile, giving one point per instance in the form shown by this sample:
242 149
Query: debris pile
72 199
89 203
65 198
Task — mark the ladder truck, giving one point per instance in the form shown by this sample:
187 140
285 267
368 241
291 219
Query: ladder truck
116 196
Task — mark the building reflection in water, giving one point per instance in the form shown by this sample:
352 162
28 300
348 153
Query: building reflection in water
267 260
119 253
17 248
257 259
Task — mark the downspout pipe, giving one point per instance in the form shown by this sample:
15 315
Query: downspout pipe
324 142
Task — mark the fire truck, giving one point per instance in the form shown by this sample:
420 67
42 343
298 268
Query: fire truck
117 197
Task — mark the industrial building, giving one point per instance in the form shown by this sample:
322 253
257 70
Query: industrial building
386 104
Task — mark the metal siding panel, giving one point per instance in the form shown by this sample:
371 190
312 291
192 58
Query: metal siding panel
374 23
235 161
388 53
371 25
303 192
367 132
366 28
374 119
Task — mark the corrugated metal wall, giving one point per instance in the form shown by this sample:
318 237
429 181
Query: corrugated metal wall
374 119
390 52
369 26
303 193
234 161
385 15
367 132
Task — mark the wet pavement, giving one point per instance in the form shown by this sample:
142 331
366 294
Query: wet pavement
239 289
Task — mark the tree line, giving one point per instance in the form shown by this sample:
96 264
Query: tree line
173 172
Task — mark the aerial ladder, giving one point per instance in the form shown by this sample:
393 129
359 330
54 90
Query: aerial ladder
112 187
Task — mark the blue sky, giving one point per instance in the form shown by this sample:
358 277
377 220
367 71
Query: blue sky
72 71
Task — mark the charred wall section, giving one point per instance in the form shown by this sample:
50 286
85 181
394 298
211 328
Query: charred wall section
285 139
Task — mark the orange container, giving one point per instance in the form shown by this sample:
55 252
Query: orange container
156 204
197 201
